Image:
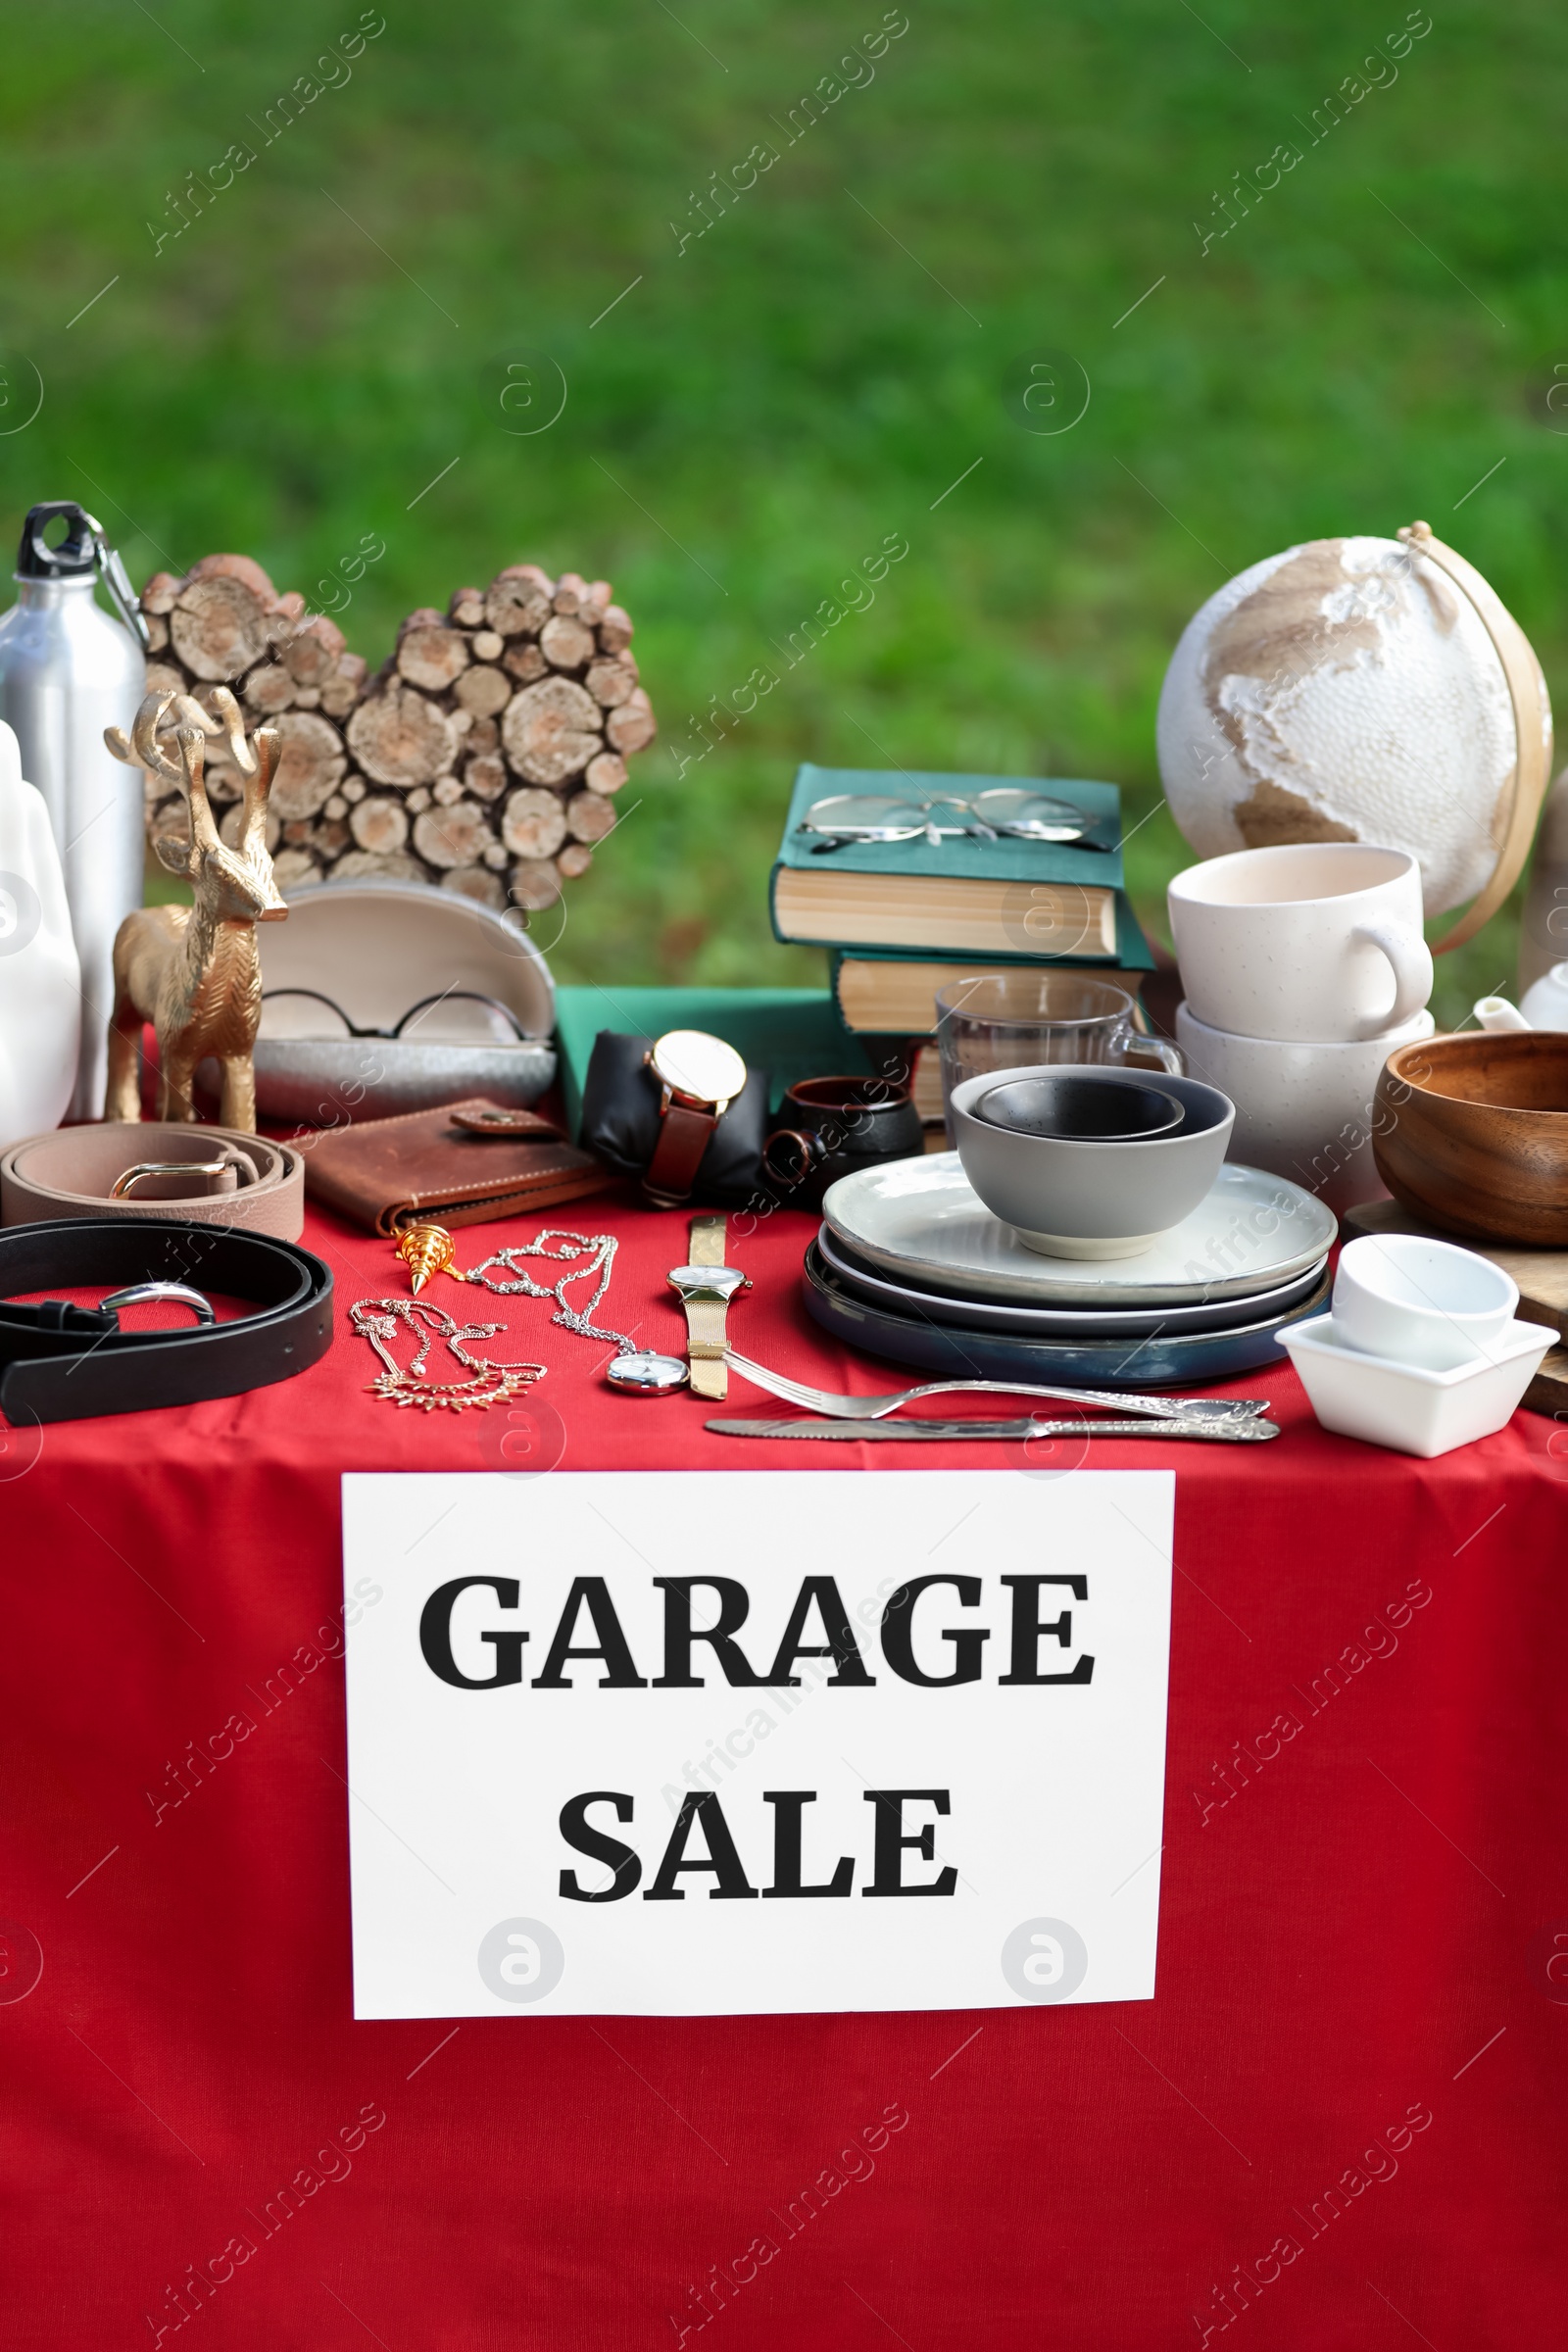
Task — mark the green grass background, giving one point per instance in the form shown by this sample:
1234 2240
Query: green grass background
762 407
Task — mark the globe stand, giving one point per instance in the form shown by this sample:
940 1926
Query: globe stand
1531 720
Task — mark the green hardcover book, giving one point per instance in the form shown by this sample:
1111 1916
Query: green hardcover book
961 895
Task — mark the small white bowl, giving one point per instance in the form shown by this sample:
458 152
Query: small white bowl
1408 1407
1416 1301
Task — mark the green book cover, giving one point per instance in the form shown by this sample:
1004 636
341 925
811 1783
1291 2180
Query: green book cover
1005 859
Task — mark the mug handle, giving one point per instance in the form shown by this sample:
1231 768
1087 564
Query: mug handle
810 1148
1412 974
1166 1057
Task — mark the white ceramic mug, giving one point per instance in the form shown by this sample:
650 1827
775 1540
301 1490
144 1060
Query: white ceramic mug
1302 1110
1316 939
1417 1302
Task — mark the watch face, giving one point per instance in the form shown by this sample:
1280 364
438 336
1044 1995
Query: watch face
695 1063
713 1282
642 1373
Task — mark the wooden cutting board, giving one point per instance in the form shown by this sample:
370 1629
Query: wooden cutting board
1542 1276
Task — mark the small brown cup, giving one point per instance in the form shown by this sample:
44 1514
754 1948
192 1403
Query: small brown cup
837 1125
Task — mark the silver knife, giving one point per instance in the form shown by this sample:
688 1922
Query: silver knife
1223 1432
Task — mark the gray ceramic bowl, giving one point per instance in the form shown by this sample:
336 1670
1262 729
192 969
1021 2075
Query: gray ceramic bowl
1069 1198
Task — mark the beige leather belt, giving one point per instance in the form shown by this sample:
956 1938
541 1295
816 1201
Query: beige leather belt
204 1175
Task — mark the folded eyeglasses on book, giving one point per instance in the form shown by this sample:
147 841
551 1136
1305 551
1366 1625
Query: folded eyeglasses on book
1005 810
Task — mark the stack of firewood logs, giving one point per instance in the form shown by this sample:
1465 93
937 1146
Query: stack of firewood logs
484 756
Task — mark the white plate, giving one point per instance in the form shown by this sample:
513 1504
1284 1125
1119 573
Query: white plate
918 1221
1060 1322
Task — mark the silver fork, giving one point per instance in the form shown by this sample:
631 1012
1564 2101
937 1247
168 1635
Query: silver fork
878 1408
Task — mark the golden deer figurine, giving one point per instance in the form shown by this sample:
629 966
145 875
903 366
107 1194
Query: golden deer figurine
194 971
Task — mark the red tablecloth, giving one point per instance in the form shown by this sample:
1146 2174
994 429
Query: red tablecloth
1340 2121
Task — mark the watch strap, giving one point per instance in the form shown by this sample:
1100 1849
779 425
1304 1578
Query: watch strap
705 1347
705 1318
706 1247
684 1135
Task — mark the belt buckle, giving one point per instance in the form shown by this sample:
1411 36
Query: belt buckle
127 1181
140 1293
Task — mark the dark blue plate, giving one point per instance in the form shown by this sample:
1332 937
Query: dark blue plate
1189 1360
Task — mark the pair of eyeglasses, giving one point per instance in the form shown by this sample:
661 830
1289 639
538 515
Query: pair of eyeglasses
1005 810
458 1016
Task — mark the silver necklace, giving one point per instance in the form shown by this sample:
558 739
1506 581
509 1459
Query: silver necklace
638 1371
378 1319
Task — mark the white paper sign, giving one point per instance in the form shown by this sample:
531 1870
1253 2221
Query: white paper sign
693 1743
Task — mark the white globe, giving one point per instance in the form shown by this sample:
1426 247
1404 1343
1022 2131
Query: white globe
1346 690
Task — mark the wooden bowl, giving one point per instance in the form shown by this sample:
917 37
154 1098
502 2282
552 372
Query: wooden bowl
1471 1133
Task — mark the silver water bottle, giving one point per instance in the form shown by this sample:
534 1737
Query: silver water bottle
68 671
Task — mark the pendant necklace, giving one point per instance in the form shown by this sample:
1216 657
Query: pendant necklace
377 1320
637 1371
427 1249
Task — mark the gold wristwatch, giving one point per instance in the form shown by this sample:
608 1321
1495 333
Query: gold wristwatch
706 1285
700 1077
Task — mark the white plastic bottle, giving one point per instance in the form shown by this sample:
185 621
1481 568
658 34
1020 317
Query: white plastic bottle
41 980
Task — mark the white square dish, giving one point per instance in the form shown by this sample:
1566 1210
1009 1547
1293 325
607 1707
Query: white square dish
1404 1405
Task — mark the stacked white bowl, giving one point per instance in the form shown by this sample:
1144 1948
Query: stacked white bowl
1304 967
1421 1350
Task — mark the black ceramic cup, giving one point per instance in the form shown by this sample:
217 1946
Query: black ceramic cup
833 1126
1076 1108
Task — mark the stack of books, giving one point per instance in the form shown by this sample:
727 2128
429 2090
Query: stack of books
902 918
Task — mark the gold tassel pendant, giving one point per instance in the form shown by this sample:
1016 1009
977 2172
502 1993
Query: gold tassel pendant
426 1250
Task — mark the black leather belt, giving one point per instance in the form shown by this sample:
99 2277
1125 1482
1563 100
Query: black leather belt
60 1362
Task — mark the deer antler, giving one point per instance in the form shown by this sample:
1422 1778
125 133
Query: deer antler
193 752
229 711
144 749
230 721
172 850
257 784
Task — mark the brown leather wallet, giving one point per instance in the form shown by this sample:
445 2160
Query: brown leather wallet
450 1164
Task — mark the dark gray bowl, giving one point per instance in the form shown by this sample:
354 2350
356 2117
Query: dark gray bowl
1073 1197
1068 1104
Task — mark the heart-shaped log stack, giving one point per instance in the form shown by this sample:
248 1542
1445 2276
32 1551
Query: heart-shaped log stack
226 624
483 757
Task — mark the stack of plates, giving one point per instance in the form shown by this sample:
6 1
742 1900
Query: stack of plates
910 1265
